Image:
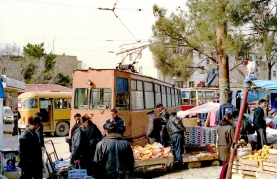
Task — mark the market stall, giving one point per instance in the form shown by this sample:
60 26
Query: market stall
153 156
200 141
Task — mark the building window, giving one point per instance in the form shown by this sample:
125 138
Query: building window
140 55
201 70
130 57
191 84
179 84
201 56
274 73
140 70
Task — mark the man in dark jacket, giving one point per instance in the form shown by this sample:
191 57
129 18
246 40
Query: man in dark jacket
30 151
113 157
39 131
177 132
154 127
164 115
260 124
77 118
116 120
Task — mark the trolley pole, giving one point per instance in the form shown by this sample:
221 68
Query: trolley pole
236 137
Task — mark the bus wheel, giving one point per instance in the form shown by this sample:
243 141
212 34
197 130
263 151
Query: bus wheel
62 129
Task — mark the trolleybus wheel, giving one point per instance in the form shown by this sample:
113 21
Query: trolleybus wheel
62 129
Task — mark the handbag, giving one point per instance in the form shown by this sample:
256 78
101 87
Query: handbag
77 173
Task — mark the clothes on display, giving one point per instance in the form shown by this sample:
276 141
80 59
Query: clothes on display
224 109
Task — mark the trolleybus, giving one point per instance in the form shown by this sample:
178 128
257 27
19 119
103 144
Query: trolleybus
97 91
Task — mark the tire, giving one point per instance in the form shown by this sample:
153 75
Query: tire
62 129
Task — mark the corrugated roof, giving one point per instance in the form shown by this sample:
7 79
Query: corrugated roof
45 87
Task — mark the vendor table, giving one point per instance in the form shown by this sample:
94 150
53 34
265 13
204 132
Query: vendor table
165 163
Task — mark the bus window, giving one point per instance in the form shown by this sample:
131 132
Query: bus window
81 98
168 92
60 104
69 103
185 94
100 98
137 95
122 94
149 95
30 103
164 97
158 94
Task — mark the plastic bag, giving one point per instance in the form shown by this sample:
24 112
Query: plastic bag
242 152
77 173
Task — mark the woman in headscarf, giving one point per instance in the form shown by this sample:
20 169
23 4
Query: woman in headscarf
225 134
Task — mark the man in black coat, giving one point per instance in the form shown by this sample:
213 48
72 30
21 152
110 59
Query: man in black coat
260 124
164 115
30 151
177 132
113 157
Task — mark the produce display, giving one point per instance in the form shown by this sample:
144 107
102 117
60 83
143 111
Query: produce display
243 144
260 154
150 151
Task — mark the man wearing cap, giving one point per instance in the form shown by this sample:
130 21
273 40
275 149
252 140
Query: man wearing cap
177 132
154 127
30 151
164 115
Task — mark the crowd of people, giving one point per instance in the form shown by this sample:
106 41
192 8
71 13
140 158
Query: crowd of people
109 155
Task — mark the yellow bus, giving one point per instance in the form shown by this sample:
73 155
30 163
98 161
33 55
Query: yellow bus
97 91
54 107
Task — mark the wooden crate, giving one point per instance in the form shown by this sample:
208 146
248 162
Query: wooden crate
269 165
236 168
249 162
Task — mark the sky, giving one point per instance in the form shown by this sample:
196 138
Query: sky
79 28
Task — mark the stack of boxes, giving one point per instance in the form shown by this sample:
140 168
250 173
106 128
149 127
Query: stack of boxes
200 136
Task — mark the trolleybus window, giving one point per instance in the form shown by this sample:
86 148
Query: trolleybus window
173 97
164 97
168 90
158 94
137 95
122 94
100 98
81 98
149 95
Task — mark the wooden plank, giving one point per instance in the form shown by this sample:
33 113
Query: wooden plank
236 170
250 168
249 162
267 175
245 172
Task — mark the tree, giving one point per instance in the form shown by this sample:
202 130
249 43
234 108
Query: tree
8 52
40 67
208 28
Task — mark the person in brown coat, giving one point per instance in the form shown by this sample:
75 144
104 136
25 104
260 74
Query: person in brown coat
225 134
154 127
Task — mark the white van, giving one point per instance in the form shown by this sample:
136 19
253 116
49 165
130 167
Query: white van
8 115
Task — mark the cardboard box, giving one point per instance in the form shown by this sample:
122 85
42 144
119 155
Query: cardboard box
189 122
